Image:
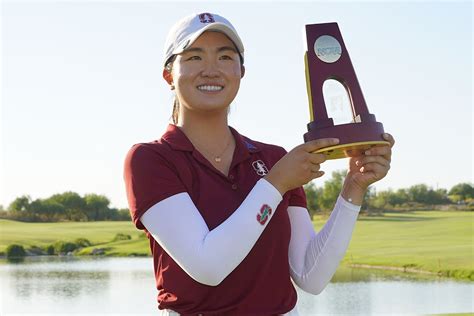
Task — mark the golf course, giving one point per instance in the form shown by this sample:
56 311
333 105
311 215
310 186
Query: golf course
425 242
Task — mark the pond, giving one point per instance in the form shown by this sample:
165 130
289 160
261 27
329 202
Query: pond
125 286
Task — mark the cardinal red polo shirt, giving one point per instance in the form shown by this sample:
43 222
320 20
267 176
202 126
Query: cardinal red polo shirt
261 284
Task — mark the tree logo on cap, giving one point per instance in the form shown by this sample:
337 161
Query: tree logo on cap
206 18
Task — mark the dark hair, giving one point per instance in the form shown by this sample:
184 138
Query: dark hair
175 112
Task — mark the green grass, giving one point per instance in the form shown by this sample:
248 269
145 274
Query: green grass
100 234
435 241
123 248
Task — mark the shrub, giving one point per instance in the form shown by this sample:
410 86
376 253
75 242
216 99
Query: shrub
49 250
121 236
15 251
64 247
35 251
82 242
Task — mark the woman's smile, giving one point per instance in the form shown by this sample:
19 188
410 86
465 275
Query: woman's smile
210 88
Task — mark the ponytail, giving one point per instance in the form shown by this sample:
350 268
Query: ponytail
175 113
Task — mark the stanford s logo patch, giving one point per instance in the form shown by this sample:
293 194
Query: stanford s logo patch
260 168
264 214
206 18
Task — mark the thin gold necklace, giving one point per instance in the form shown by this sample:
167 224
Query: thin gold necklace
218 158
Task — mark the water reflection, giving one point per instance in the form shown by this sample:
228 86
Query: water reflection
68 284
58 277
61 285
16 260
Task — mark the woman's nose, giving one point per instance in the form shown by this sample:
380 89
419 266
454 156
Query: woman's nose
210 69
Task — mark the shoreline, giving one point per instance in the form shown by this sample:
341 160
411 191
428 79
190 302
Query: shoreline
382 268
394 268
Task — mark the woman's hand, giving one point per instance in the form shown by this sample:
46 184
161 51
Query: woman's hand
366 169
299 166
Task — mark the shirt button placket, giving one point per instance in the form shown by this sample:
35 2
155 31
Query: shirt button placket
234 185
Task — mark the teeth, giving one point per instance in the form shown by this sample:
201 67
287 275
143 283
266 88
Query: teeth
210 88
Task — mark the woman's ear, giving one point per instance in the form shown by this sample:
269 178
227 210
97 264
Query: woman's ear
242 71
168 76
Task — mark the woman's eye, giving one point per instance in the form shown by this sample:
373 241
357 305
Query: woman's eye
226 57
194 58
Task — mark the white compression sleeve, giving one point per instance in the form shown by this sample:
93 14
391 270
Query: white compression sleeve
207 256
313 257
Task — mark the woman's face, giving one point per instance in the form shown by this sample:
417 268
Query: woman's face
207 75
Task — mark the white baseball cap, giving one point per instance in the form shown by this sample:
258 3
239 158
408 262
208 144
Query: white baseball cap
187 30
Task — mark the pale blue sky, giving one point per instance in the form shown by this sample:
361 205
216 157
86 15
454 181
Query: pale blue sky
81 83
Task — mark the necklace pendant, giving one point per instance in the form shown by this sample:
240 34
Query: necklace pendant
217 159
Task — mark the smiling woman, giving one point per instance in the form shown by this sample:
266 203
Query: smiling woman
206 77
226 215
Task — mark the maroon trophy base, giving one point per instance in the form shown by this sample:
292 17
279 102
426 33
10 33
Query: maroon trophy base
354 138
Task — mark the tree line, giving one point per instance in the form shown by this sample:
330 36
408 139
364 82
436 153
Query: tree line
70 206
67 206
419 196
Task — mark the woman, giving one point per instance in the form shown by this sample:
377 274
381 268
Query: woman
225 215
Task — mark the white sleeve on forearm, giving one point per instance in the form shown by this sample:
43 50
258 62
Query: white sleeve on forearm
314 257
209 256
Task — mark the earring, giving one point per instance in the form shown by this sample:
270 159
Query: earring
172 86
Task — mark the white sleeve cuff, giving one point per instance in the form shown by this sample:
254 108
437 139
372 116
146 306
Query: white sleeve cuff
274 192
347 205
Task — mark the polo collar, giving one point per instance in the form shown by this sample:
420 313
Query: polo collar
177 140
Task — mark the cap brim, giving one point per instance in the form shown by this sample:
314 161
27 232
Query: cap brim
218 27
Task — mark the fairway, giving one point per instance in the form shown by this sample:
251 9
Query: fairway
425 240
100 234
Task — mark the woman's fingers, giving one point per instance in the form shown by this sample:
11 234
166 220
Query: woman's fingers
312 162
299 166
372 159
314 145
317 174
317 158
315 168
389 138
384 151
377 169
373 164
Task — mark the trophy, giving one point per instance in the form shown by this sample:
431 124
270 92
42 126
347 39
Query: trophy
327 58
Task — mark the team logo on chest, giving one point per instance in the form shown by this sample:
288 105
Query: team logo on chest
260 168
265 213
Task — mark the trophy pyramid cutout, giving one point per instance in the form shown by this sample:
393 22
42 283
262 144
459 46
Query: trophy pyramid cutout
327 58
